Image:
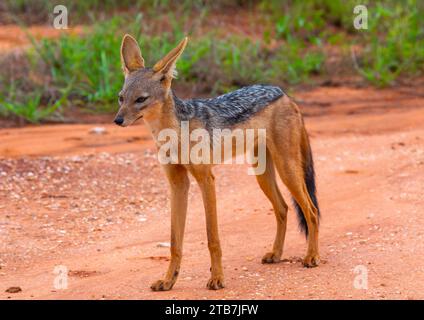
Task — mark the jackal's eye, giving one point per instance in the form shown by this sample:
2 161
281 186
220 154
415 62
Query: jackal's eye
141 99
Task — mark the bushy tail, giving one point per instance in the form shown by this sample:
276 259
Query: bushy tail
309 176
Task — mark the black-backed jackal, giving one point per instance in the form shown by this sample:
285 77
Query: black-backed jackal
147 94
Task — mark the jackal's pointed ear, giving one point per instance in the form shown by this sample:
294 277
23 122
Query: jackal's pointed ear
166 66
131 58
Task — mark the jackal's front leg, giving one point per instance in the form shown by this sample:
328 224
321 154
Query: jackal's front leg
206 181
179 183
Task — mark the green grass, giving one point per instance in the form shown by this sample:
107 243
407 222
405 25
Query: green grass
85 71
91 11
31 108
89 66
400 50
392 44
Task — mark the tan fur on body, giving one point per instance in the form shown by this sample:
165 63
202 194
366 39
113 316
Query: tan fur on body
287 144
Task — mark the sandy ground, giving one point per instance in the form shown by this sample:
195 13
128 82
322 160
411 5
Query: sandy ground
14 38
97 205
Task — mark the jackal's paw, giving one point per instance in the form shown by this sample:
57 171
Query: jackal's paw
271 257
311 261
216 283
162 285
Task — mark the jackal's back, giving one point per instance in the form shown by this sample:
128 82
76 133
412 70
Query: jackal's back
229 109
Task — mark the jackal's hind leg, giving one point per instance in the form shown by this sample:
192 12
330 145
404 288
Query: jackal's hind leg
291 173
269 186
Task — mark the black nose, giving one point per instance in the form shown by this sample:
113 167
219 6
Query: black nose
119 120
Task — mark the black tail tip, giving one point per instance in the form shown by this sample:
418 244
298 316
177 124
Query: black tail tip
303 226
309 178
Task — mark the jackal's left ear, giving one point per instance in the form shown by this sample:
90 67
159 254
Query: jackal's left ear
131 57
166 66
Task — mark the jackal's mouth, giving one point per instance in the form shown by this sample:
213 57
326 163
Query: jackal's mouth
139 118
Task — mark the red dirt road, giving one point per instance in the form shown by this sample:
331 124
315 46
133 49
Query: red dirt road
13 37
98 205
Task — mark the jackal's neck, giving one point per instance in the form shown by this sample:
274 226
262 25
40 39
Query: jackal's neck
161 117
168 116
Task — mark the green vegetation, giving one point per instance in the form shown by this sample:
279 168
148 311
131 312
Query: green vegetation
400 50
84 70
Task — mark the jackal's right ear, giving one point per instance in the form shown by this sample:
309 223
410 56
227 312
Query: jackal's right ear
166 66
131 58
